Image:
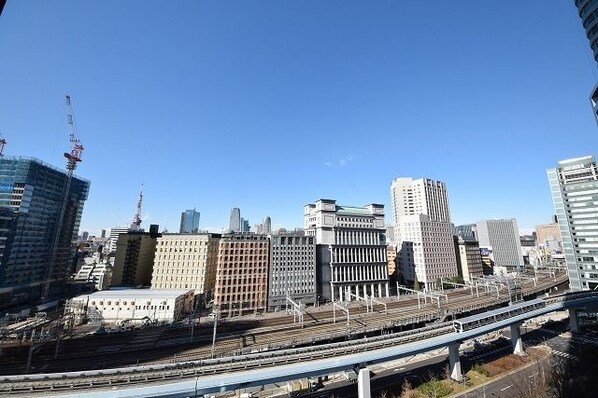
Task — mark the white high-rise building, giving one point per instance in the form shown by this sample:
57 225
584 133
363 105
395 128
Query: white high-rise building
350 249
501 238
423 230
574 188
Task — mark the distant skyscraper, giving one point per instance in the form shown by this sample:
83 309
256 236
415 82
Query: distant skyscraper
574 188
423 230
235 220
189 222
31 199
245 225
501 236
267 226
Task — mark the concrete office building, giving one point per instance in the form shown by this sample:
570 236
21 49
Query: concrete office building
469 259
189 222
421 196
292 270
427 252
502 237
95 272
423 230
31 199
113 238
234 223
187 261
574 189
134 258
548 238
391 256
350 251
131 306
242 274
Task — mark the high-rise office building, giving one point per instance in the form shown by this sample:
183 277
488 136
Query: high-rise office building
267 226
31 200
189 222
113 238
422 196
186 261
234 223
423 230
588 12
292 270
574 189
469 259
501 238
351 249
134 257
244 225
242 274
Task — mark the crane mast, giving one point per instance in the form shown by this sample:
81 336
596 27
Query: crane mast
73 157
2 143
136 222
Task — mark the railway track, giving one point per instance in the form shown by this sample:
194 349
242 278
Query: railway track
268 334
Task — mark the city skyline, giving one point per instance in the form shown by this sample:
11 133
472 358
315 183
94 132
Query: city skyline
361 77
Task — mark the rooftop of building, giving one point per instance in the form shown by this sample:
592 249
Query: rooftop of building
137 293
41 162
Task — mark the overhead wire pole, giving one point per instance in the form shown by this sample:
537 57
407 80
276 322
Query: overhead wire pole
349 293
73 157
296 308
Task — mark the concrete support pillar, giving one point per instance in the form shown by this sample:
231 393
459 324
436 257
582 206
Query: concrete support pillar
573 321
363 383
516 339
454 362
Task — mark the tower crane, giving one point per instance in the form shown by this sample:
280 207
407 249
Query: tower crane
2 143
72 158
76 148
136 222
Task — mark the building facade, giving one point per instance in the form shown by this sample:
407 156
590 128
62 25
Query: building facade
242 274
234 223
469 259
186 261
189 222
427 251
574 189
292 270
113 238
501 236
548 238
126 307
134 259
423 230
350 251
31 199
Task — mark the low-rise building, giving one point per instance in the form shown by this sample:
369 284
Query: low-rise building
131 306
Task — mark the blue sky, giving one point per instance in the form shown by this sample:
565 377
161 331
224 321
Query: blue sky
269 105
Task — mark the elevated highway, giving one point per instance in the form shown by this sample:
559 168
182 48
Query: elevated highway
195 378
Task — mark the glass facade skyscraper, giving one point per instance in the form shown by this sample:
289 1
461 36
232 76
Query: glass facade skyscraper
189 222
234 223
31 197
574 189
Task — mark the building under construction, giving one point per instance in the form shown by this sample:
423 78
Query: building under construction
34 248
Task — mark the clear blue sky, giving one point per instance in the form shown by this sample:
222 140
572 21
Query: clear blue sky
269 105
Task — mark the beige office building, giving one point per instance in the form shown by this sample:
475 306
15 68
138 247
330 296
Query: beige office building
242 274
186 261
